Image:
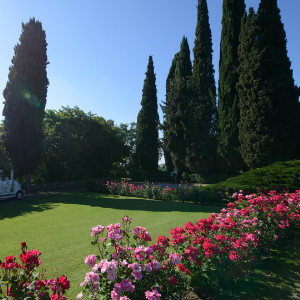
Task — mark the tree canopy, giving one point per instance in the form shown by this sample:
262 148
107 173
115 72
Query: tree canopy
79 145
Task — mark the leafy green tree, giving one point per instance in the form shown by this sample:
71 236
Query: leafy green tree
25 99
229 157
269 106
175 109
201 133
147 142
78 145
128 134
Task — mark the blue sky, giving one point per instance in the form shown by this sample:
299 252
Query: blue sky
98 50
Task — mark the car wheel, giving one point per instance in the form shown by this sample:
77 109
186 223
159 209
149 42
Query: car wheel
19 195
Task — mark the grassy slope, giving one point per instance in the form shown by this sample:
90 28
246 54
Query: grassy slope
59 226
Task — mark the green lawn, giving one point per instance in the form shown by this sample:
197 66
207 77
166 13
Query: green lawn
59 226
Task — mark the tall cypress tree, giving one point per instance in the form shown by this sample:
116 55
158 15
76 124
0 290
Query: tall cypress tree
229 157
176 107
147 123
201 143
248 87
25 99
165 126
269 107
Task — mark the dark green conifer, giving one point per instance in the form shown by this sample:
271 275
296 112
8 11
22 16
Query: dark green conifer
229 157
200 136
164 127
175 108
147 123
25 99
269 107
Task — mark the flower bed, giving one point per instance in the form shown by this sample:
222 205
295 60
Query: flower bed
182 193
204 252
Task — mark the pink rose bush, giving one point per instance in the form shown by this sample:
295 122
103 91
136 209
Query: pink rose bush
20 281
198 255
126 270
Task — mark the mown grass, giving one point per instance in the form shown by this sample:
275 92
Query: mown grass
59 226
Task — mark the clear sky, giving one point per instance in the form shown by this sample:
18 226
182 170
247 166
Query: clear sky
98 49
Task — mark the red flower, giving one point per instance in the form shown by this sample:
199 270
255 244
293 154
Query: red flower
173 281
64 282
161 240
9 263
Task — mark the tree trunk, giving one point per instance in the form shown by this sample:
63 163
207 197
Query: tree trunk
28 182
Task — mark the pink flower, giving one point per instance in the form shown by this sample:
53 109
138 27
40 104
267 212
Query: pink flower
155 265
137 275
154 295
148 268
136 267
114 295
97 230
124 263
174 258
90 260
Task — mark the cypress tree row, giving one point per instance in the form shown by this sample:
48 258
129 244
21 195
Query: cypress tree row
176 107
200 137
147 123
229 157
269 107
25 99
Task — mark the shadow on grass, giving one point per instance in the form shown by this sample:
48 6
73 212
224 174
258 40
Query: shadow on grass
19 208
277 276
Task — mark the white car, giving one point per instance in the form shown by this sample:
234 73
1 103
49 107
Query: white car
10 188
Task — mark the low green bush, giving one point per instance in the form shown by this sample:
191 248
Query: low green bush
97 185
210 178
279 175
186 177
197 178
90 184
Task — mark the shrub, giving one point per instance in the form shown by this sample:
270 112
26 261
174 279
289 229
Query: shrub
278 175
97 185
185 177
90 184
197 178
